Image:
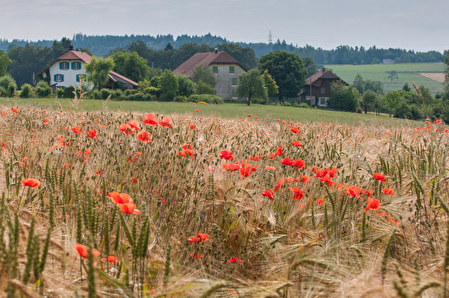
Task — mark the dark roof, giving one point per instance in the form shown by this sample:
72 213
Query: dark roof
205 59
70 55
114 76
322 74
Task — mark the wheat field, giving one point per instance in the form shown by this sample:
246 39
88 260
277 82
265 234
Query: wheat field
113 204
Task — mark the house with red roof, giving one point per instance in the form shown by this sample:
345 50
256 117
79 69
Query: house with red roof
225 69
317 89
69 69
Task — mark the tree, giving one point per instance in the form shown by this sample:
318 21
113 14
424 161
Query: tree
168 84
131 65
392 74
4 62
368 100
375 86
97 71
251 85
392 100
343 98
287 69
185 85
203 74
359 83
270 84
310 65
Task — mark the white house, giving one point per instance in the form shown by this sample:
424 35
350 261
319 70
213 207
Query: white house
67 69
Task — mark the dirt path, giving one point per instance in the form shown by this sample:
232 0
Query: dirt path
439 77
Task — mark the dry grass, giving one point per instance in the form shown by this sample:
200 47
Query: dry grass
287 249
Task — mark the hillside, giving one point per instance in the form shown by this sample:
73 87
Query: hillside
407 73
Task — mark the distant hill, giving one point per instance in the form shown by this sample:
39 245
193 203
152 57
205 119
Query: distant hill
101 45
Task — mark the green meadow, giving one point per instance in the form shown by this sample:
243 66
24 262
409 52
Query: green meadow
228 110
407 73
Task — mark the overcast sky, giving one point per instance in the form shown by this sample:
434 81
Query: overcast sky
407 24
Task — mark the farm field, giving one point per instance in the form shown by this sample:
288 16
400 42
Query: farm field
407 73
229 110
193 203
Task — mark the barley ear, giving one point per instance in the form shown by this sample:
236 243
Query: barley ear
386 256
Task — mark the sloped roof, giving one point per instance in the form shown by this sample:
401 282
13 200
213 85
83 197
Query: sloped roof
322 74
205 59
71 55
114 76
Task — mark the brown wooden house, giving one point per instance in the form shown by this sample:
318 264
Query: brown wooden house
317 88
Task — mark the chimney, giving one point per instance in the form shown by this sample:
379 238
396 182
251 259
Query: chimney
77 49
215 51
71 47
323 69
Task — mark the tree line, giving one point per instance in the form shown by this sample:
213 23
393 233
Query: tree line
101 45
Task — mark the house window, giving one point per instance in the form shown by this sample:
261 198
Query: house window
76 65
323 90
234 81
215 69
322 101
59 78
79 77
233 93
64 65
231 69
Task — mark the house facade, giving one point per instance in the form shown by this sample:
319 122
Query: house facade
225 69
70 69
317 89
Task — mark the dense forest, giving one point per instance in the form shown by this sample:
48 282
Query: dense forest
103 45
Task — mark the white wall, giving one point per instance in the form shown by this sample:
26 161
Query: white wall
69 74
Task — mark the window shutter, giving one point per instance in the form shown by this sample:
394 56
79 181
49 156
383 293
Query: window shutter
62 78
54 78
77 78
72 65
79 65
60 65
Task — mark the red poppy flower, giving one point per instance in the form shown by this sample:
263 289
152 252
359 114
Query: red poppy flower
279 184
279 151
129 208
199 238
77 129
380 177
31 182
150 119
327 179
249 115
353 191
15 110
134 125
197 111
3 144
287 161
295 130
187 147
296 143
388 191
305 179
230 167
191 126
299 163
99 173
197 256
269 194
299 193
269 168
319 201
256 118
145 137
83 252
126 128
92 133
119 198
166 122
246 171
226 155
368 193
373 204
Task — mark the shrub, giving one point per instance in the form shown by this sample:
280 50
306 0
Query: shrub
181 98
26 91
208 98
131 92
68 92
8 84
59 93
104 93
93 94
304 105
204 88
117 93
42 92
3 92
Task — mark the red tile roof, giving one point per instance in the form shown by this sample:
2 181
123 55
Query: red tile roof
205 59
70 55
